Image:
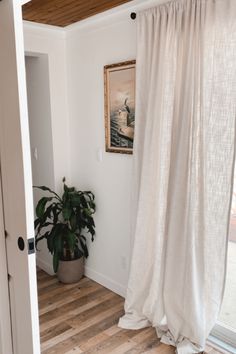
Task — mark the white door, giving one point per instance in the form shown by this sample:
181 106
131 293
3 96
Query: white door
16 183
5 321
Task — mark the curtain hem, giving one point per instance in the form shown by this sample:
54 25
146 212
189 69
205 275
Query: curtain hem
183 345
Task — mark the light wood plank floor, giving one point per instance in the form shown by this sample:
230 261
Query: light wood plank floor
82 318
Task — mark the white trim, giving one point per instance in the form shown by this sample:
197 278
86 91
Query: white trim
47 267
24 2
105 281
225 334
120 13
220 345
42 30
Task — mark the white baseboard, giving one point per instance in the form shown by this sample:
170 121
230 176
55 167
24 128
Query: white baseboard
90 273
105 281
47 267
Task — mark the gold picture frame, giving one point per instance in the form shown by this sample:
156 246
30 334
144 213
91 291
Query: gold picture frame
119 96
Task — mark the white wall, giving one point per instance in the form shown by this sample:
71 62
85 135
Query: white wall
102 40
88 51
48 111
76 57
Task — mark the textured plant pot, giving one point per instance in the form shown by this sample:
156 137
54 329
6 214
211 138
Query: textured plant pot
70 271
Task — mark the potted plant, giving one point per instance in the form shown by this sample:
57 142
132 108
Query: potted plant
63 221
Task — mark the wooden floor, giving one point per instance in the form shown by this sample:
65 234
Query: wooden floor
82 318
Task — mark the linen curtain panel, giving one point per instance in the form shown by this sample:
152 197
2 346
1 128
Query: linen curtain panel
183 163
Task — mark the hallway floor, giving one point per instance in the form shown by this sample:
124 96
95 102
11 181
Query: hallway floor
82 318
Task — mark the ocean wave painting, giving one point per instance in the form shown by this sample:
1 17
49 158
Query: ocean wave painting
120 107
117 123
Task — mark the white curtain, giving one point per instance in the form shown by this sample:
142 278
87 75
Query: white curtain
183 158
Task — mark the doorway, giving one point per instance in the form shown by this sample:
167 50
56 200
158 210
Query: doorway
40 127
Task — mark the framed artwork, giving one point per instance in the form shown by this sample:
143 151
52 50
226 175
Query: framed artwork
119 85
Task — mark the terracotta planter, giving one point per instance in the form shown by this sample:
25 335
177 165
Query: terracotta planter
70 271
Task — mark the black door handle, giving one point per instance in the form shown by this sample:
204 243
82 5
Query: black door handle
21 244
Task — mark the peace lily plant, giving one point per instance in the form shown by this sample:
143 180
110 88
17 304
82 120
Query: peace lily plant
64 221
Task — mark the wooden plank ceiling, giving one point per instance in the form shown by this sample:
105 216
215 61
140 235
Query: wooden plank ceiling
65 12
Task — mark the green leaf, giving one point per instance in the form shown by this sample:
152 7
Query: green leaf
65 196
43 225
71 240
88 211
55 262
36 223
66 212
73 221
91 230
40 208
90 195
49 211
58 244
92 206
68 189
79 253
83 200
46 189
56 213
50 243
75 200
91 222
55 233
84 248
39 239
